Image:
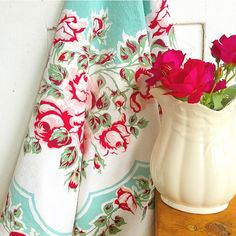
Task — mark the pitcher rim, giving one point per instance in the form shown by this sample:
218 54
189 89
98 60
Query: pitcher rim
199 105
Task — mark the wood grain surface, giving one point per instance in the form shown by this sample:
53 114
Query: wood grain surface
171 222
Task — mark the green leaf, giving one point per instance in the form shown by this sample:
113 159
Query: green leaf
133 119
57 74
127 74
17 212
84 164
17 225
101 221
82 62
134 131
217 99
119 221
108 208
60 137
83 173
113 229
68 157
36 108
43 87
27 147
159 43
129 50
231 91
145 60
229 94
94 123
56 93
142 183
142 40
105 119
101 81
142 123
36 147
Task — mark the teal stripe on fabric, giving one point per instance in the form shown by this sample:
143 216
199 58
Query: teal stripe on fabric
95 199
27 202
125 16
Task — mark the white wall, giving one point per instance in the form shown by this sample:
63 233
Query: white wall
26 32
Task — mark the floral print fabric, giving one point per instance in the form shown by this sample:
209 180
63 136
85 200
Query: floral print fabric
83 168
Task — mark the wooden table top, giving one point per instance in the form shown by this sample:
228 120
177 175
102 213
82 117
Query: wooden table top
171 222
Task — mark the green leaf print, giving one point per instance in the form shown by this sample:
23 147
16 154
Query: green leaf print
56 93
119 221
17 212
105 120
82 62
61 137
113 229
68 157
134 131
36 147
17 225
128 51
27 147
94 123
133 119
142 123
101 221
108 207
57 74
142 40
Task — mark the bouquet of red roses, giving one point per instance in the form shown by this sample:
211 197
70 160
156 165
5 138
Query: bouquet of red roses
196 80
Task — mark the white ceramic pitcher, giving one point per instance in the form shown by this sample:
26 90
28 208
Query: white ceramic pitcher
193 162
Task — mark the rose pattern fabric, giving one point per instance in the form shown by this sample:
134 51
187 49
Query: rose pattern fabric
83 168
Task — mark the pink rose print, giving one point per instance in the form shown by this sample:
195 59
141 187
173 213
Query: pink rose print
13 233
69 27
52 125
78 87
78 92
115 138
125 200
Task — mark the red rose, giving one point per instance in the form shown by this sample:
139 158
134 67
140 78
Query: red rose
69 27
115 138
167 61
225 49
52 125
13 233
192 81
125 200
